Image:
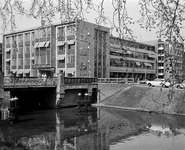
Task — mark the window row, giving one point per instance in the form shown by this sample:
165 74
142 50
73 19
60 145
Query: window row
131 64
132 54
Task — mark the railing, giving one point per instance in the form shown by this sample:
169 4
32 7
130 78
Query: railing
29 81
36 81
73 80
115 80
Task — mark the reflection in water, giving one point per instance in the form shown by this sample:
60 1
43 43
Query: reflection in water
102 129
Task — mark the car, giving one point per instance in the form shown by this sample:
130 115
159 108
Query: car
144 81
165 84
155 82
180 85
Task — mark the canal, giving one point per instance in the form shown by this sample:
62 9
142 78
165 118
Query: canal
98 129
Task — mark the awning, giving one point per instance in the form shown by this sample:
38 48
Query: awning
152 56
138 63
115 46
61 43
70 71
36 45
129 52
41 44
14 71
47 69
7 49
117 61
7 59
148 64
26 71
61 57
47 44
70 42
19 72
161 48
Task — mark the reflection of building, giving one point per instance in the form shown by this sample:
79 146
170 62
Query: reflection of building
82 134
79 49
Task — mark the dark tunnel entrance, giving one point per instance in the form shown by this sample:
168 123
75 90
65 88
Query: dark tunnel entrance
34 99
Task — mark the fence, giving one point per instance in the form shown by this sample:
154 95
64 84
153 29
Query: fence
115 80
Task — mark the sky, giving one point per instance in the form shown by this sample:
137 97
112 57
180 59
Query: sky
133 11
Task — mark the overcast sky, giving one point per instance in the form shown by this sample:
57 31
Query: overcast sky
133 11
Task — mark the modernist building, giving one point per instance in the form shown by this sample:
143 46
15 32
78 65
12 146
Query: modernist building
170 59
131 59
79 49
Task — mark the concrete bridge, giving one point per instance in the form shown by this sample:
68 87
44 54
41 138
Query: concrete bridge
37 93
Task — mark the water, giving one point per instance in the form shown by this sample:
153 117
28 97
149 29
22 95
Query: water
102 129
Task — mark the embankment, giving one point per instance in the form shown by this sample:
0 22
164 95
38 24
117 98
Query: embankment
139 97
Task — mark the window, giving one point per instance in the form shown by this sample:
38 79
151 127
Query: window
27 61
20 62
20 38
32 36
71 58
71 46
20 50
14 62
48 31
70 30
7 40
14 42
27 37
27 49
61 33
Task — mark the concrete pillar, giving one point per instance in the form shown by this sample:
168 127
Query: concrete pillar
60 91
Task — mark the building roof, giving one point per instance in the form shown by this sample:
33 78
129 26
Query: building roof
153 42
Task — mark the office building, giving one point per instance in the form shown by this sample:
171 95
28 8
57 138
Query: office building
78 49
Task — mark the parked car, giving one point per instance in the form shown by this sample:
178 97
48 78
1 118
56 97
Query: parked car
144 81
180 85
155 82
165 84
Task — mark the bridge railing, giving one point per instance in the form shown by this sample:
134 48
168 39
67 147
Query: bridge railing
115 80
78 80
35 81
29 81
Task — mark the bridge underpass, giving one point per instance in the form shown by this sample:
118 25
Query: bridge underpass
34 99
36 94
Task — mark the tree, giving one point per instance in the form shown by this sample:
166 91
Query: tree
165 15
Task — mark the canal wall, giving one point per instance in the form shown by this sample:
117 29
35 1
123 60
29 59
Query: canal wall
143 98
